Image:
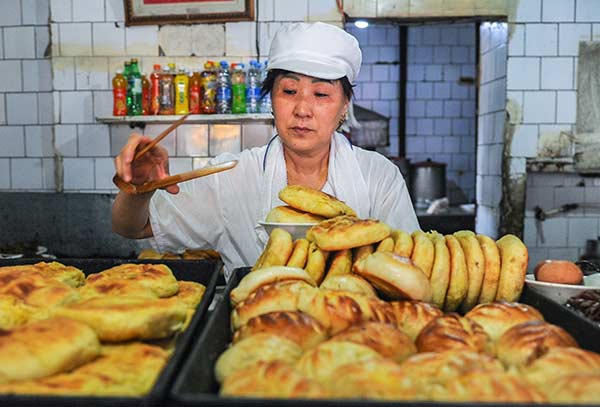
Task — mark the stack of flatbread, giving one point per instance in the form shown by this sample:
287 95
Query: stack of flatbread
67 334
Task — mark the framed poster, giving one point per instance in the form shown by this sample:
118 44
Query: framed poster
154 12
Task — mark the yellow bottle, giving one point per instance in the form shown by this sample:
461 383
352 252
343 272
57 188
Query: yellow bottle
182 81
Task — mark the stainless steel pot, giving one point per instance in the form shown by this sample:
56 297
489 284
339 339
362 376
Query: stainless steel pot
427 182
404 165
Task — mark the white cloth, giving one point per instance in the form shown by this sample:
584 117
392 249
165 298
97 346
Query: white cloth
316 49
222 211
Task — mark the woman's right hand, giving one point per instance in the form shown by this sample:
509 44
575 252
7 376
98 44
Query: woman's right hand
153 165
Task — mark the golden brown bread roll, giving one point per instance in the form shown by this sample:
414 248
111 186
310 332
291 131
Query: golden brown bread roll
440 271
527 341
361 252
412 316
348 282
287 214
316 262
403 243
491 275
281 296
558 271
385 339
397 277
299 254
297 326
149 254
513 266
340 263
475 267
347 232
459 277
13 312
314 201
429 370
451 331
157 277
115 288
190 294
423 252
277 251
497 317
386 245
320 362
45 348
261 347
575 389
268 275
271 380
488 387
337 310
37 291
378 379
69 275
545 371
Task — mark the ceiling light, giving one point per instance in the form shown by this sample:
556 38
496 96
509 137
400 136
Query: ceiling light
361 23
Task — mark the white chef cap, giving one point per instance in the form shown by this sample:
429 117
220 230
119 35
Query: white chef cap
316 49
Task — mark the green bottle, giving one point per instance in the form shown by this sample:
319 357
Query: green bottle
136 89
238 89
127 75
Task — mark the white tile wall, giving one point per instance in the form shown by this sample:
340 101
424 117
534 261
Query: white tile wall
523 73
91 73
558 10
85 10
587 10
38 141
21 108
26 173
541 39
4 173
12 141
19 42
93 140
78 174
539 107
141 40
38 75
114 10
240 39
76 107
61 10
76 39
10 76
65 140
10 13
566 107
569 36
290 10
557 73
108 39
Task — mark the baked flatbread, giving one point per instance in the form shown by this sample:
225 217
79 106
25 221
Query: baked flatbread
156 277
347 232
287 214
37 291
69 275
314 201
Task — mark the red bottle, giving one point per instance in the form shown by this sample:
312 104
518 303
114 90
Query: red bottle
119 94
195 92
145 95
155 90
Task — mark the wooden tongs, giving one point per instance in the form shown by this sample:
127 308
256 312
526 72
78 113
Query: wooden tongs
130 188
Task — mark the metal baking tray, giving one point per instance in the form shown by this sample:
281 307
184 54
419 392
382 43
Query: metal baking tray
195 384
205 272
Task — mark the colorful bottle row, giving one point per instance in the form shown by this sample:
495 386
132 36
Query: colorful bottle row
217 89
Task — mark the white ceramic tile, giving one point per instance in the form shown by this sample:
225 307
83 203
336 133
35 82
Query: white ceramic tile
115 10
516 43
65 140
21 108
2 110
38 141
500 60
61 10
323 10
528 11
26 173
38 75
389 91
557 73
541 39
19 42
569 36
452 108
256 135
558 10
12 141
566 107
208 39
178 165
4 173
441 55
35 12
76 39
596 32
64 73
10 76
458 91
93 140
169 143
175 40
45 108
539 107
85 10
108 39
42 41
224 138
48 174
587 11
554 233
525 140
441 91
118 137
141 40
104 170
103 103
265 10
451 72
91 73
382 107
192 140
76 107
240 39
291 10
78 173
10 12
433 144
423 55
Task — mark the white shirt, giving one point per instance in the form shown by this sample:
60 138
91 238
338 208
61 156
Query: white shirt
221 211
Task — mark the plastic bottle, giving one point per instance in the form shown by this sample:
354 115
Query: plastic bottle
195 92
252 88
167 92
127 75
119 84
265 101
238 89
155 90
145 95
135 82
182 82
223 89
208 83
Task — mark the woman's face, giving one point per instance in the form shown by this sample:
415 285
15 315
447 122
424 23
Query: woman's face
307 111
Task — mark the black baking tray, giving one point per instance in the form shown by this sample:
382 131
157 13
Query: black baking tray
205 272
195 384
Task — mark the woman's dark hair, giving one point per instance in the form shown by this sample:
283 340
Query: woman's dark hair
272 75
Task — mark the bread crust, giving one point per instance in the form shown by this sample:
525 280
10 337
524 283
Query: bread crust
412 316
316 262
491 276
287 214
403 243
386 245
347 232
69 275
348 282
475 267
423 252
277 251
440 272
156 277
299 254
451 331
514 258
314 201
497 317
459 278
340 263
575 389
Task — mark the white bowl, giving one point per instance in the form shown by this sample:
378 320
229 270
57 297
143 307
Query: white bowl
297 230
562 292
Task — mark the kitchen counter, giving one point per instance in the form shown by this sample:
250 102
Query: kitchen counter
451 220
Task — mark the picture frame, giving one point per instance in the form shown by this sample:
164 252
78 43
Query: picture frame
159 12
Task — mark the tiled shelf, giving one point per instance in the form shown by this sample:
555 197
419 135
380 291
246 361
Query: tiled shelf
192 119
562 164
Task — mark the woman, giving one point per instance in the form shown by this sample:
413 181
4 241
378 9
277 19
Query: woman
311 67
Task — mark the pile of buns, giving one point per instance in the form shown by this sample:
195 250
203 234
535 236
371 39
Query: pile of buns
293 339
187 254
107 334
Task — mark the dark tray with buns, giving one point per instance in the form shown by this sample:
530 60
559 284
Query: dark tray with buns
195 384
205 272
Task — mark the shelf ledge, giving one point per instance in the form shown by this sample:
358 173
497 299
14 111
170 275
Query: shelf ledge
192 119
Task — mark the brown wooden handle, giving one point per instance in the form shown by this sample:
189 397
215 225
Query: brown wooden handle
173 179
161 136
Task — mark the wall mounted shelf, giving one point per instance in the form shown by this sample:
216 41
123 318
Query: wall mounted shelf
141 121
